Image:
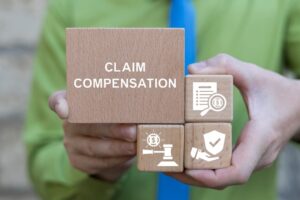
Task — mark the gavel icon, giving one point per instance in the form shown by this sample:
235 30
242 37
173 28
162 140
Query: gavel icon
167 158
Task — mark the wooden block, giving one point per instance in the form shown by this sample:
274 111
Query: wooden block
207 145
125 75
209 98
160 148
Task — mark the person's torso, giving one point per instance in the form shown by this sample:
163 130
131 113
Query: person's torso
250 30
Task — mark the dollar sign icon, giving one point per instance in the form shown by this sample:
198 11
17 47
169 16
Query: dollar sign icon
217 102
153 140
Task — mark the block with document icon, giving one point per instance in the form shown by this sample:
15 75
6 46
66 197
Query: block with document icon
207 145
209 98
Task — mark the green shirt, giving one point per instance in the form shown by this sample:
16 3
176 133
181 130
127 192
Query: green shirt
263 32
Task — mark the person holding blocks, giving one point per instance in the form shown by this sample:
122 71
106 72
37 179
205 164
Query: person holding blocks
95 161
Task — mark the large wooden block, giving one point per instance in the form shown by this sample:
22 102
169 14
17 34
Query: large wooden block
160 148
125 75
209 98
207 145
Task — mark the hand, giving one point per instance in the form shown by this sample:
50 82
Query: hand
102 150
199 154
274 118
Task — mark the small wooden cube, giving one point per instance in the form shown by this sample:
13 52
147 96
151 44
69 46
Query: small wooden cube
160 148
207 145
209 98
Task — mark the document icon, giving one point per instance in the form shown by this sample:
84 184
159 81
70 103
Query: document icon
206 98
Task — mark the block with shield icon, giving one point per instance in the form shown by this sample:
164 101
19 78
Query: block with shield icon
207 145
160 148
209 98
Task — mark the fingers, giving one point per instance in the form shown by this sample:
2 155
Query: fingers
225 64
58 103
191 181
125 132
114 173
185 179
93 165
244 160
98 148
268 158
103 150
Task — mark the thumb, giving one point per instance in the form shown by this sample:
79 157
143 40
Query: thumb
58 103
225 64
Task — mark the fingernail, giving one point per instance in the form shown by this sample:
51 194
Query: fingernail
190 172
130 131
196 67
62 109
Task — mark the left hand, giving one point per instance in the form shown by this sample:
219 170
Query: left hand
274 118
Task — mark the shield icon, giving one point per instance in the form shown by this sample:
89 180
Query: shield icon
214 141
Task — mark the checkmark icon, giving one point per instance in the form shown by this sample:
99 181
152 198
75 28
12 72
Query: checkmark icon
215 143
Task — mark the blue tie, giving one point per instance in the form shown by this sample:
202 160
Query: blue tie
182 15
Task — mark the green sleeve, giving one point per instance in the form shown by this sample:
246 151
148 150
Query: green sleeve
292 44
49 169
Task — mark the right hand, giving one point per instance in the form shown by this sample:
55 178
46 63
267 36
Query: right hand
105 151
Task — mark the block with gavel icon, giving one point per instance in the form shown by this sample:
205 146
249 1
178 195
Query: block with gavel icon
160 148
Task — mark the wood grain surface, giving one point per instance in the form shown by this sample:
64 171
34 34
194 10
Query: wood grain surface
162 50
169 135
224 87
194 137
